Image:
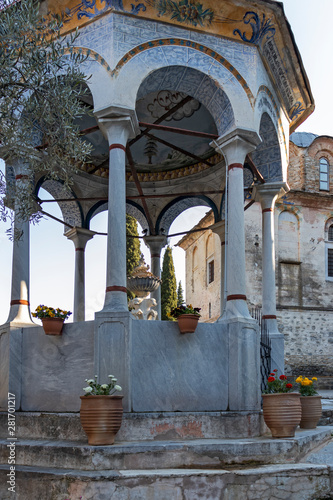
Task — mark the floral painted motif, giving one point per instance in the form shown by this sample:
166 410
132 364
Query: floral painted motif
296 110
184 11
259 28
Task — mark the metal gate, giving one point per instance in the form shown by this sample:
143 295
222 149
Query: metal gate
265 348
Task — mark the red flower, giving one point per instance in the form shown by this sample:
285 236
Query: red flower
283 377
272 374
275 370
289 386
271 379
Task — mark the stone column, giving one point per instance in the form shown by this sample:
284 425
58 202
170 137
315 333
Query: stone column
118 125
267 194
234 147
219 229
113 324
79 237
155 244
19 305
243 335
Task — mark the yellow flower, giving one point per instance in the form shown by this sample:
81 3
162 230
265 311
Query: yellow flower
299 379
314 378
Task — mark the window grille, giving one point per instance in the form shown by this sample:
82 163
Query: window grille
323 174
330 233
210 271
330 262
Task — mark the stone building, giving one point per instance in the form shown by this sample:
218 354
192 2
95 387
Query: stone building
303 260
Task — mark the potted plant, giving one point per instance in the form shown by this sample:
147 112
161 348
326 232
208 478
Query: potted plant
187 317
310 402
101 411
281 407
52 319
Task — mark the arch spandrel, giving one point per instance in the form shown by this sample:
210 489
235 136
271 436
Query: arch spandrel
71 211
171 211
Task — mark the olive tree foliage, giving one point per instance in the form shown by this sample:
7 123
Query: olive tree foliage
42 92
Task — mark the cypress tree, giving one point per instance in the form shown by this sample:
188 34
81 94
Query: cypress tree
169 285
180 295
133 250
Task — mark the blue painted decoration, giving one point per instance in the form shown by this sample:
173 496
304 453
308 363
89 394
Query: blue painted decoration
82 9
296 110
260 29
136 8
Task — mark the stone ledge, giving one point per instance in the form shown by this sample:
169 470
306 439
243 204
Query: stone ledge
200 453
140 426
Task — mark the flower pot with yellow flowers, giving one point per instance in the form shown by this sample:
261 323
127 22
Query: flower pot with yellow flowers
52 319
101 411
281 407
187 317
310 402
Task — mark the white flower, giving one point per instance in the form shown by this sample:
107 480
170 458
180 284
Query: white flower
117 388
104 386
87 389
90 381
114 379
111 376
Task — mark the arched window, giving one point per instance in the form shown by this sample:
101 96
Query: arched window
324 171
329 250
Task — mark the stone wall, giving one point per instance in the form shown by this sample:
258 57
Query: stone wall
308 338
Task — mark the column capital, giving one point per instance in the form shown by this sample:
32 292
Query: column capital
235 145
79 236
115 120
219 229
155 243
267 194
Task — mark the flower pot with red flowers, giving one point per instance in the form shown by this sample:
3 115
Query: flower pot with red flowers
310 402
101 411
187 317
52 319
281 407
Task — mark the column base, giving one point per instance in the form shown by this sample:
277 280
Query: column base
113 350
235 309
244 365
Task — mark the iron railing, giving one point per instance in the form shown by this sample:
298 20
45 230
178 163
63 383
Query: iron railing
265 347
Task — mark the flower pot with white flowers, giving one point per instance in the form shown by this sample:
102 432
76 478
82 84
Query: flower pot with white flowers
101 411
310 402
281 407
52 319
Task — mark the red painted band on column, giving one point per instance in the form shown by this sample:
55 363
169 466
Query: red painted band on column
20 302
116 289
269 316
20 176
117 146
235 165
236 297
267 210
157 255
79 249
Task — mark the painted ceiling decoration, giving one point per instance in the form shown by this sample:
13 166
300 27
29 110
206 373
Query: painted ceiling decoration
260 27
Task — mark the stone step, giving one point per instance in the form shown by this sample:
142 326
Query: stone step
283 481
139 426
200 453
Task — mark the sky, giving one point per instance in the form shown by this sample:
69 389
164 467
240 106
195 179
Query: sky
52 255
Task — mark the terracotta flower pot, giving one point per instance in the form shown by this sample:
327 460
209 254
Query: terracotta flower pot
52 326
187 322
311 411
101 418
282 413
